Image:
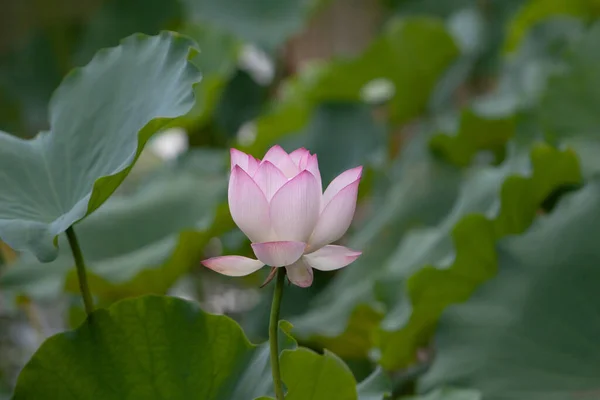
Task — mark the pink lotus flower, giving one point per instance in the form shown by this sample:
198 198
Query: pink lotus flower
278 203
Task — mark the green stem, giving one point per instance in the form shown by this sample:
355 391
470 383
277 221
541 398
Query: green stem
273 330
81 275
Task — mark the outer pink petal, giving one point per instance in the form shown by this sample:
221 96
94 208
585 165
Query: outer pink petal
248 206
331 257
278 254
339 183
335 218
233 265
281 160
299 154
245 161
253 164
295 208
300 274
269 179
312 166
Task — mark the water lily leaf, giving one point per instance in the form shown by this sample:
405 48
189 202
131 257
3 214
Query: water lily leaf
141 242
531 332
101 116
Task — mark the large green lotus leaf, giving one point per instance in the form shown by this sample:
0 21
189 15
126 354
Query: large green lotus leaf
568 106
159 347
141 242
423 40
420 190
267 23
150 348
101 116
441 266
138 243
532 332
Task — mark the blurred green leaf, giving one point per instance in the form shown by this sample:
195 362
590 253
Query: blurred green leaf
532 330
476 133
419 191
116 19
241 101
267 23
58 178
535 11
28 76
376 387
444 265
424 41
524 74
448 394
140 243
343 135
568 107
217 60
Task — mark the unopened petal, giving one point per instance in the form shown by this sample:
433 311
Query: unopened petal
278 254
294 209
335 219
245 161
312 166
281 160
233 265
248 206
298 155
300 274
339 183
269 179
331 257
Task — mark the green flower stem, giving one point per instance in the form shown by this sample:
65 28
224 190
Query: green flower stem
273 331
81 274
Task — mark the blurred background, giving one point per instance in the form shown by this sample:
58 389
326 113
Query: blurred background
445 103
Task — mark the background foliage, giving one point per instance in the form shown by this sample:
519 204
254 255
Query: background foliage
477 122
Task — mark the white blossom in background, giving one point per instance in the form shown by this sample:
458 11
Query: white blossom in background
377 91
258 64
246 135
170 143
